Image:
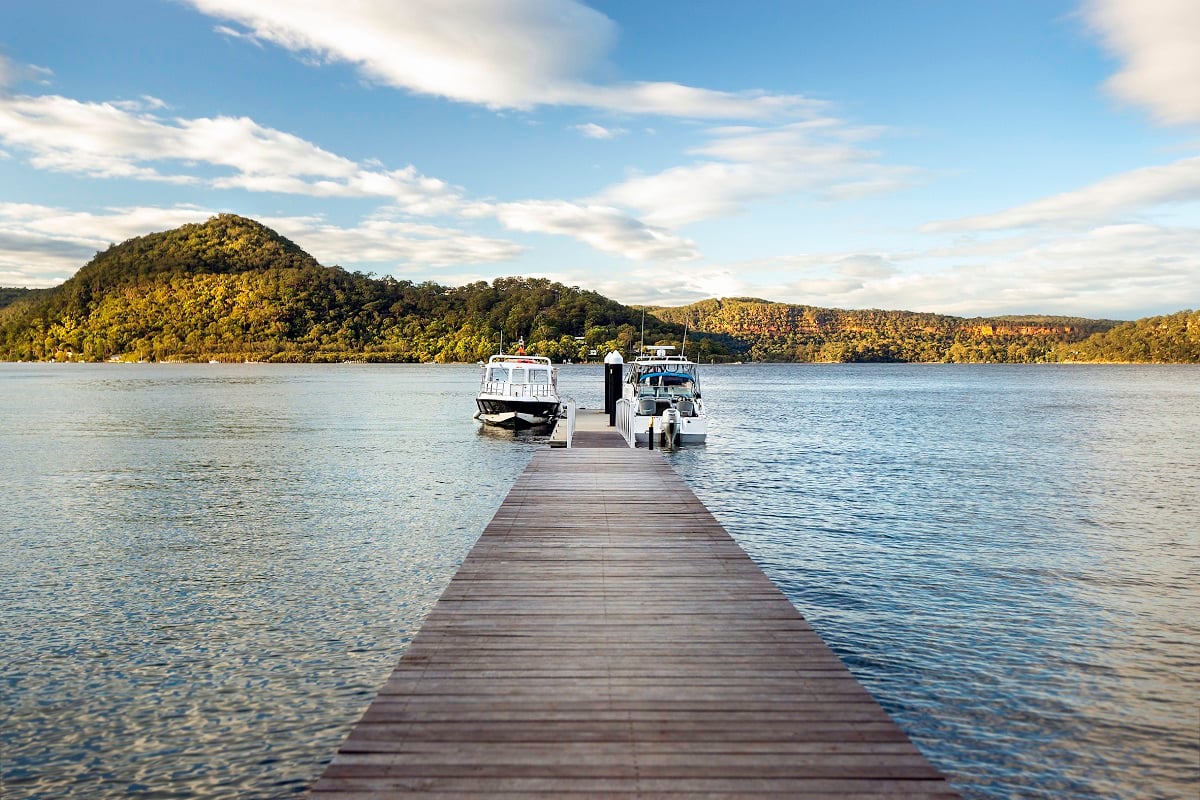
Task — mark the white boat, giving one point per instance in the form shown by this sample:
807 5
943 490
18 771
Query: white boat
518 391
663 391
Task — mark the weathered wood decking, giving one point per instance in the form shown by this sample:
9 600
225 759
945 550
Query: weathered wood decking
607 638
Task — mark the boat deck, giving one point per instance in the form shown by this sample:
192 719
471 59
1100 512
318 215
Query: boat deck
606 638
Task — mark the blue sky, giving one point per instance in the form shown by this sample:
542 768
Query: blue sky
958 157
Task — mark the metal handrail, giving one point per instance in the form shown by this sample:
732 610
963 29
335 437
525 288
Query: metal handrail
570 408
625 420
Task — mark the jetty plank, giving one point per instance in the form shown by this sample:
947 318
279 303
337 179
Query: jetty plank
607 638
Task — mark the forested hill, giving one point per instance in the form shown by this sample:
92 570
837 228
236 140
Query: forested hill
1170 339
785 332
232 289
8 296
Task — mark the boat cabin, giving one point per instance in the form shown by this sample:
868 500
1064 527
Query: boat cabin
531 376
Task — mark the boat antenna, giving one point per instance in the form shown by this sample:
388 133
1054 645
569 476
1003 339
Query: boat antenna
686 320
502 341
642 345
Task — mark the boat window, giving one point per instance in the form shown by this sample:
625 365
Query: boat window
539 376
518 375
497 373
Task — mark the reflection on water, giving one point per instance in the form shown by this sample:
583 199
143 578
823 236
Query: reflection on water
1006 557
208 570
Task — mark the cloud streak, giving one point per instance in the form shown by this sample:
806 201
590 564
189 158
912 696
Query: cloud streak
1157 41
12 73
820 157
519 54
607 229
124 140
1129 193
593 131
1107 270
379 240
127 140
44 245
1111 270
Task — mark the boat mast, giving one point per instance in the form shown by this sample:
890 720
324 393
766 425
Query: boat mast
642 344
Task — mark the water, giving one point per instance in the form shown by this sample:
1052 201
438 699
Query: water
208 570
1007 557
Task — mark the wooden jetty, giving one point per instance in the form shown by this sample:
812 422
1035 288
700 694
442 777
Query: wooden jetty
606 638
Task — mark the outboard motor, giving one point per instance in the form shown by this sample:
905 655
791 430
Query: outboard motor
670 427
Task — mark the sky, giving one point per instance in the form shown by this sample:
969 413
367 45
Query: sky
968 158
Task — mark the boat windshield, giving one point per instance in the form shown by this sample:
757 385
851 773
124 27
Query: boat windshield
512 373
667 384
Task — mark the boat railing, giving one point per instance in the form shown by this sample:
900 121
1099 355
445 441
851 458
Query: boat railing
625 414
506 389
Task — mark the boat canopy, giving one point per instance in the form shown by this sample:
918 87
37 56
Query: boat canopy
666 378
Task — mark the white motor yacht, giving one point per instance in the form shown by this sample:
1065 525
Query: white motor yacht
518 391
662 391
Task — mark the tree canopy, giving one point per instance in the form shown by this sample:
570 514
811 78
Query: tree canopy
1170 339
785 332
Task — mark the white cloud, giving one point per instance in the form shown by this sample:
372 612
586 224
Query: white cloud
1116 271
144 103
1120 271
229 32
1159 43
516 54
866 267
677 100
126 141
44 245
12 73
7 72
1128 193
593 131
650 285
607 229
819 157
378 240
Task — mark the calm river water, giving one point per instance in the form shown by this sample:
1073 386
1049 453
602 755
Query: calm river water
208 570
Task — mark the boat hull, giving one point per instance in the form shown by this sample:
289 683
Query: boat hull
516 413
692 430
